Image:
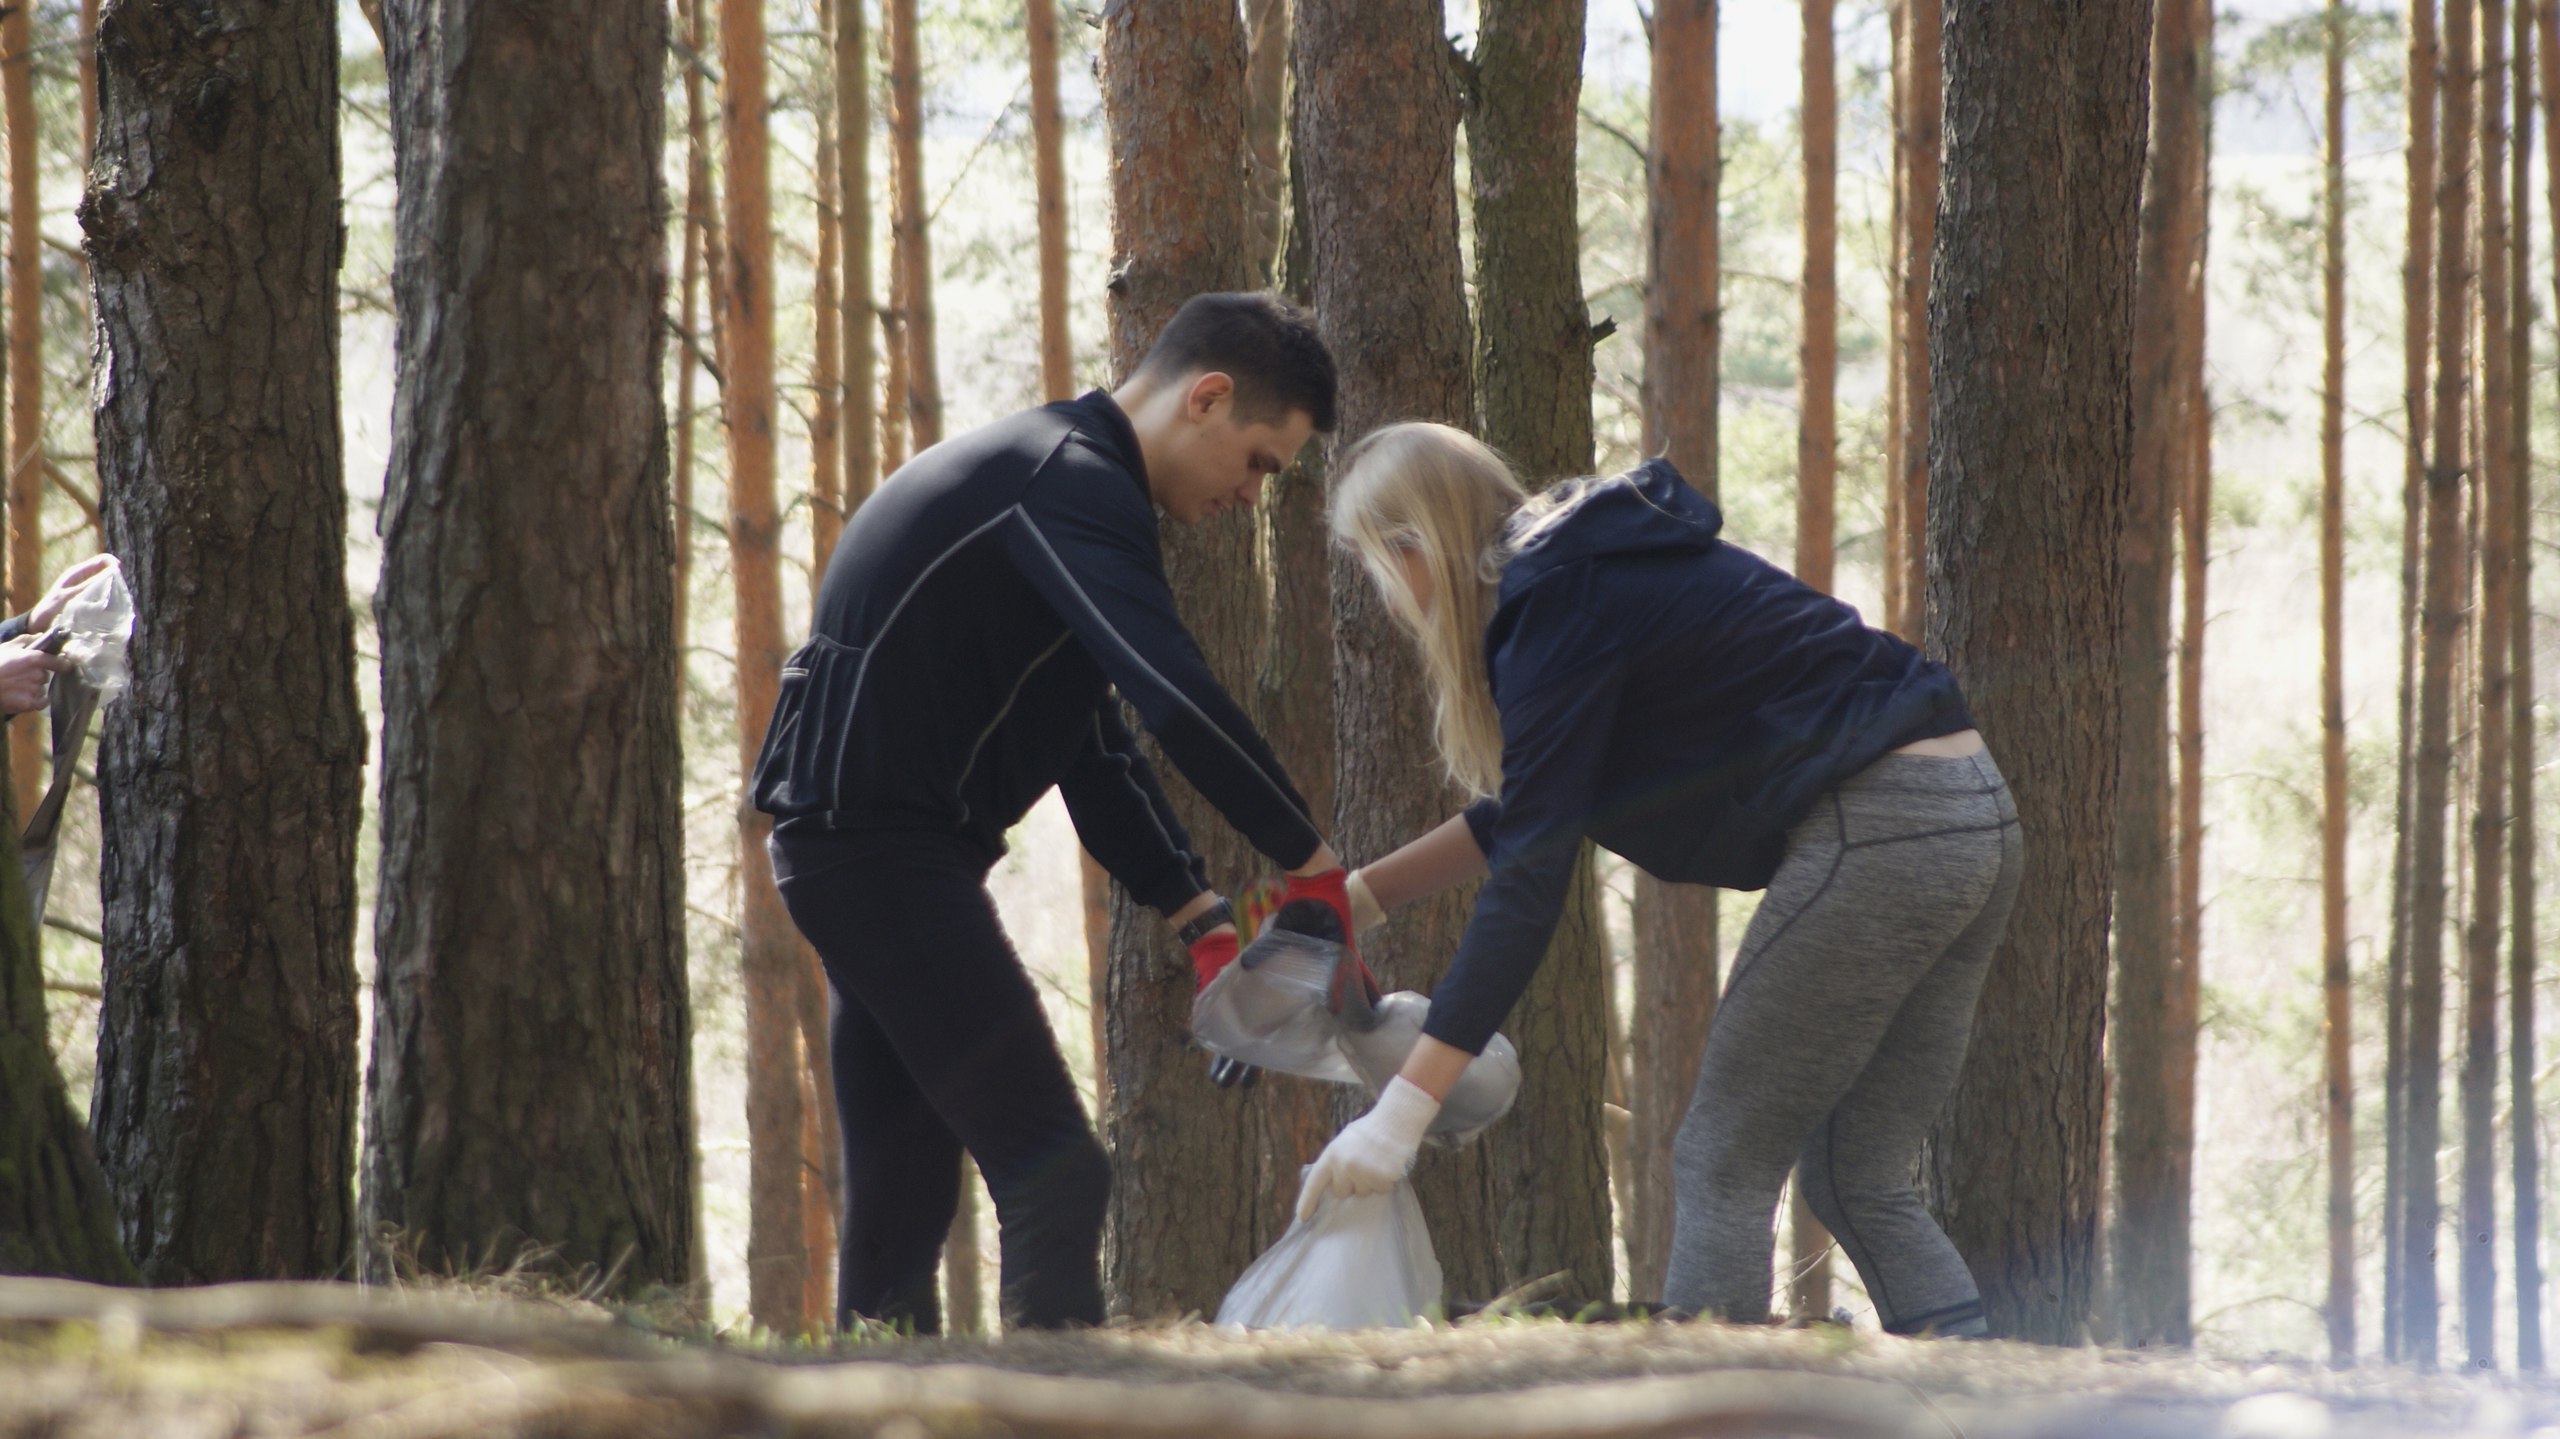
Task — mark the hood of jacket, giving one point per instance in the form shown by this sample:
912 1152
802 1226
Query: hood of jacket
1648 508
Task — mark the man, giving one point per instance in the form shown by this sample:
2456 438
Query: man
972 626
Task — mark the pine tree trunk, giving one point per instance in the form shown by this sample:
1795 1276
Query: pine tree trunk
1817 461
1676 953
2520 1006
2417 302
1897 259
2195 521
26 365
1376 146
2031 349
1548 1167
530 1009
1266 124
694 245
2440 630
1195 1194
1057 350
861 416
769 956
2524 960
2338 1051
88 59
57 1216
2148 1277
2489 819
826 346
914 240
232 773
1923 112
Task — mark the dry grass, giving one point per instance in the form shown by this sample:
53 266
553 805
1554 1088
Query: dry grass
333 1360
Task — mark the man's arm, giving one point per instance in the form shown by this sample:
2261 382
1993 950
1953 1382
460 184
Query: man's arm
1122 817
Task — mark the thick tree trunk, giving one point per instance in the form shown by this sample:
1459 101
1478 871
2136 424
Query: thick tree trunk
57 1216
2496 490
2031 349
2417 302
26 365
915 248
2440 629
1548 1167
530 1010
224 1112
1376 141
2148 1278
1197 1192
1923 120
769 957
861 416
1817 463
1676 953
2338 1071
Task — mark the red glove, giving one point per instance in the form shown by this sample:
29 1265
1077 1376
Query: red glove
1212 952
1330 888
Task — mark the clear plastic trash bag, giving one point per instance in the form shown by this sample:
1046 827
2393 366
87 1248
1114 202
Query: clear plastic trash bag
1269 1009
1361 1262
96 624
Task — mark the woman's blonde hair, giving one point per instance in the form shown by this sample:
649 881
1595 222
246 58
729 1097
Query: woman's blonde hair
1443 494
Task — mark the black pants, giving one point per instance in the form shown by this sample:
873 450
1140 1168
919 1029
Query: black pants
939 1045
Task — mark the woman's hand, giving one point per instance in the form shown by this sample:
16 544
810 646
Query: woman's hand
1373 1151
26 675
72 581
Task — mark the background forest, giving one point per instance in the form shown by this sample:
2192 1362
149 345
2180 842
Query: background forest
2261 1249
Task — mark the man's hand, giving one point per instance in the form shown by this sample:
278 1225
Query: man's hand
49 608
26 675
1373 1151
1320 905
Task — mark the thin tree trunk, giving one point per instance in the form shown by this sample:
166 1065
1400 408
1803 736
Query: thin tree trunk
1817 462
2337 1054
693 245
88 55
2031 402
1897 259
963 1268
1057 350
826 349
1548 1166
1266 124
822 1141
2149 1275
2489 820
769 946
529 939
915 247
1675 938
1924 109
894 447
225 1103
26 363
1376 141
2523 957
2417 300
2195 523
2440 629
860 416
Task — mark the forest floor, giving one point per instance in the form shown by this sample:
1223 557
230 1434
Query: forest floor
275 1360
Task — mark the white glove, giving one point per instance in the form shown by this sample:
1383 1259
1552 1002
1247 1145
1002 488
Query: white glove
1374 1151
1365 914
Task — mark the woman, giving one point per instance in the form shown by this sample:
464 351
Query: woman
1603 666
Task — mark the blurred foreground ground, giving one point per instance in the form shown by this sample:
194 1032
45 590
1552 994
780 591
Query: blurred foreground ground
260 1360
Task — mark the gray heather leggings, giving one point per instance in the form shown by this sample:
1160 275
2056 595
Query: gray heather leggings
1839 1038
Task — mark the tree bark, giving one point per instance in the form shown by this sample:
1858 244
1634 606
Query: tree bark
1676 954
2440 630
2524 959
2149 1273
826 346
861 417
232 774
1376 140
1057 351
695 245
2195 522
2338 1071
1548 1168
2031 348
26 364
57 1216
2489 819
1897 348
88 60
1924 110
769 955
915 247
530 1010
1266 125
2417 301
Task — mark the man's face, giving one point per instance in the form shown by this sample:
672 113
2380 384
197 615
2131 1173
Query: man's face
1216 461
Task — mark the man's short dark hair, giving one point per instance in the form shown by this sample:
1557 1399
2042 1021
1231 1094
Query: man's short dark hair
1268 346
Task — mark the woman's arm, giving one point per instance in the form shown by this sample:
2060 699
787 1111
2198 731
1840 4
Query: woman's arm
1441 859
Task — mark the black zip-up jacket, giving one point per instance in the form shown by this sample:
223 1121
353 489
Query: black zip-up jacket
973 623
1677 699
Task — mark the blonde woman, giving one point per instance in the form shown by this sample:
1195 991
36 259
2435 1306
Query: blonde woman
1603 666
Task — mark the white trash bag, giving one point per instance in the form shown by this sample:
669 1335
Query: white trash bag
97 624
1362 1262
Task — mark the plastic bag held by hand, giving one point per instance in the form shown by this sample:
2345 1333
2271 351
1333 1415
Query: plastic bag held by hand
1359 1263
97 624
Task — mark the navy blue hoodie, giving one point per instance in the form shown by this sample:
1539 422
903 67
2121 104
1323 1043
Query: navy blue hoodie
1675 698
972 625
